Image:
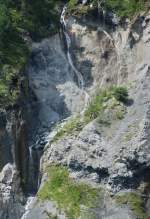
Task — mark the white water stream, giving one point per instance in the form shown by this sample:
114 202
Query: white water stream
28 207
79 76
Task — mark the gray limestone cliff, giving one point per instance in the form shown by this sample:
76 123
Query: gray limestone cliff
115 156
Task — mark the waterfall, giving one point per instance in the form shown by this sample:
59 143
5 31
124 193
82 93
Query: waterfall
78 74
30 154
68 41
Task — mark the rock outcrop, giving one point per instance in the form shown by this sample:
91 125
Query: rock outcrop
11 196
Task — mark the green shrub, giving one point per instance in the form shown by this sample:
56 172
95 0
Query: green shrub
120 93
68 195
72 4
101 102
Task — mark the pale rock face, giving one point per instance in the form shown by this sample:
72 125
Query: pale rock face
11 197
52 81
120 152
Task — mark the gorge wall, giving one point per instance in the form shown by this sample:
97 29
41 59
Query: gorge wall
115 156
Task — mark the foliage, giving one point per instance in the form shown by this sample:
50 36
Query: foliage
72 125
20 19
99 102
68 195
126 8
120 94
123 8
135 202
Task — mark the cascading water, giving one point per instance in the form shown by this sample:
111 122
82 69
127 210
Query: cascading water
79 76
68 41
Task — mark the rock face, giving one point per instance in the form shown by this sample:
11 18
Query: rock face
119 152
53 82
117 156
11 196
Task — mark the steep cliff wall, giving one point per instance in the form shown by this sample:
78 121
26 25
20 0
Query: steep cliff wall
113 151
116 155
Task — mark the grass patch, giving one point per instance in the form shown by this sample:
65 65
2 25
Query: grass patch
135 202
101 102
74 124
68 195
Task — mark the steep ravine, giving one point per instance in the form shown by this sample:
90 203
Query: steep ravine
63 71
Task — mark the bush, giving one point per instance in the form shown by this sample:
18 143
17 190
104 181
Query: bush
120 93
99 103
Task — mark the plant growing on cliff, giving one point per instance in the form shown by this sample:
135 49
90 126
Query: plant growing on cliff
109 99
68 194
72 125
100 102
120 94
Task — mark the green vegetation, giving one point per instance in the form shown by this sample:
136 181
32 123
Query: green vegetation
101 102
75 124
19 20
135 202
120 94
68 194
123 8
126 8
80 9
106 106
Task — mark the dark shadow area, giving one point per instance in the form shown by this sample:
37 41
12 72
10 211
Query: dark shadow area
101 172
6 141
129 102
141 173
